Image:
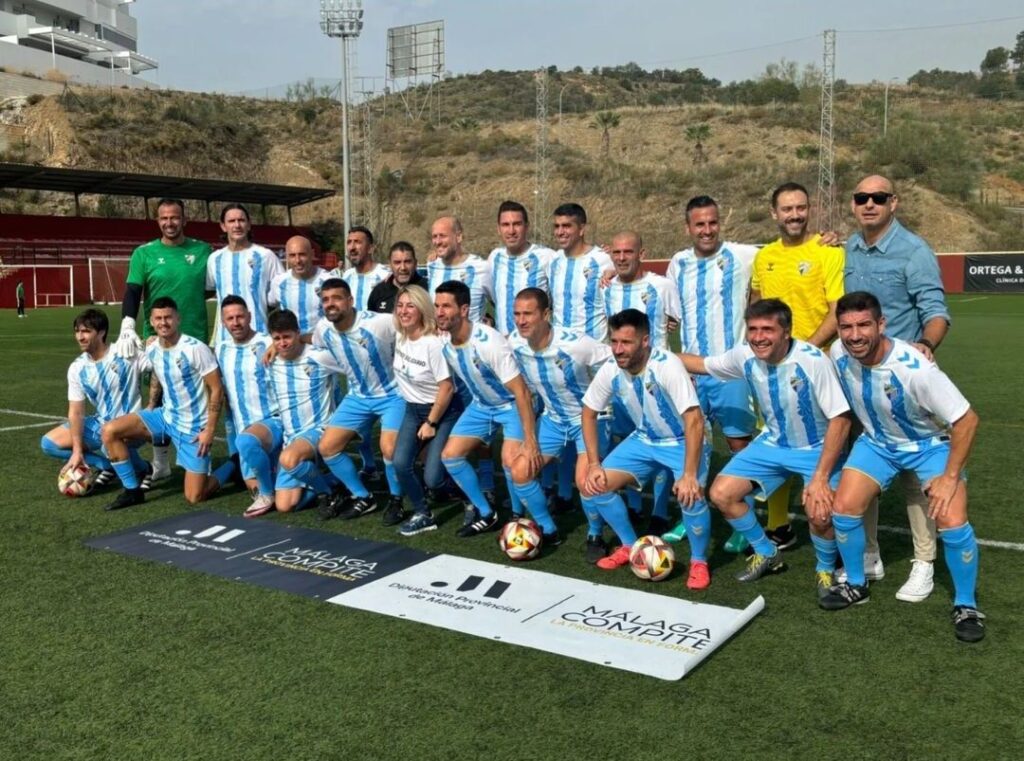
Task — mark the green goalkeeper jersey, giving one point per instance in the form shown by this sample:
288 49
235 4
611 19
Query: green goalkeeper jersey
178 272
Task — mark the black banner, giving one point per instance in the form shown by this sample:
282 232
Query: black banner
265 553
994 273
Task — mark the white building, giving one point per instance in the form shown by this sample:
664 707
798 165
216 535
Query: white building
88 41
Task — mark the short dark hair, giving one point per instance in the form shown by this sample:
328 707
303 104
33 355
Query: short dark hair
364 230
513 206
630 318
234 207
402 245
93 319
700 202
456 288
171 202
776 308
164 302
537 294
333 283
859 301
283 321
233 300
573 210
788 187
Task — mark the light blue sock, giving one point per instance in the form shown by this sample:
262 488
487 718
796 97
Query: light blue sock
251 452
308 498
308 473
394 487
851 540
514 498
825 552
567 472
224 472
595 525
537 505
50 449
140 465
485 470
126 472
613 510
635 500
960 548
748 525
100 462
366 453
344 469
697 520
462 473
547 475
662 489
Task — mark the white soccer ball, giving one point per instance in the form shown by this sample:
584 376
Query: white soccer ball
520 539
76 481
651 558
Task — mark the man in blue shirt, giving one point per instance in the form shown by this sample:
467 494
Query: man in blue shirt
886 259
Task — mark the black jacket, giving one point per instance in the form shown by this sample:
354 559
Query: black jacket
382 297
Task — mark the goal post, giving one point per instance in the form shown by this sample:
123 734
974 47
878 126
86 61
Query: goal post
107 276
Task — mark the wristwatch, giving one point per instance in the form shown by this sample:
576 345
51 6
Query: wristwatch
431 423
926 342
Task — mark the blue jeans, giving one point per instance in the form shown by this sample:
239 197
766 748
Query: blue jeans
408 448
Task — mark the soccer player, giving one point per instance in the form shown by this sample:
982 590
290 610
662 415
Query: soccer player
558 366
402 258
364 274
241 268
246 380
451 261
111 385
516 265
173 265
363 346
898 267
484 361
188 376
19 295
713 279
669 433
577 298
298 288
806 419
301 378
807 275
914 419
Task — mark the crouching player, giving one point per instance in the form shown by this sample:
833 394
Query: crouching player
806 420
251 402
662 402
915 420
188 376
111 385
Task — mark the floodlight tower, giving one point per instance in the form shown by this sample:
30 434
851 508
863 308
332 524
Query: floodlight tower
826 144
541 170
343 18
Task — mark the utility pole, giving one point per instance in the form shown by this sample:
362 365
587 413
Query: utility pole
826 155
540 193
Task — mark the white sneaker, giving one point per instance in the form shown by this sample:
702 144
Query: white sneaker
874 569
920 582
262 505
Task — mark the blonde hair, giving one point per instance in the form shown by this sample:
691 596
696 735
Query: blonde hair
421 300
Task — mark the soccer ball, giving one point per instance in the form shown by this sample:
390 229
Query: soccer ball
651 558
76 481
520 539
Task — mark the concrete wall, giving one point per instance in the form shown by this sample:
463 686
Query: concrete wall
19 58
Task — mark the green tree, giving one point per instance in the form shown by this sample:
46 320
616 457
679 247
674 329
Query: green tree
995 61
605 121
697 134
1017 55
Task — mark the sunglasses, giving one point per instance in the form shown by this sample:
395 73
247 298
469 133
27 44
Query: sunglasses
877 198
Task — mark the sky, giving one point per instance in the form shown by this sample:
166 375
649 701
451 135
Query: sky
249 45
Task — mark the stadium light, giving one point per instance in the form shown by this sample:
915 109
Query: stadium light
344 19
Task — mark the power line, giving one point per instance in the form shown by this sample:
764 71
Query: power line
732 52
934 26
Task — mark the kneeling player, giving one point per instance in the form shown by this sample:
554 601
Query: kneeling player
111 385
669 433
915 420
188 376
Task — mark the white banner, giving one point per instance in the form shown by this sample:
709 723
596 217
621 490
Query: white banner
661 636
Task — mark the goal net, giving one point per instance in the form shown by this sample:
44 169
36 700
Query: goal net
107 276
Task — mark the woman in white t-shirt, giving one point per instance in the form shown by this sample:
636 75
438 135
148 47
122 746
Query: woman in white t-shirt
431 407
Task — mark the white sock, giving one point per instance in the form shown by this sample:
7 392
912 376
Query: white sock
160 457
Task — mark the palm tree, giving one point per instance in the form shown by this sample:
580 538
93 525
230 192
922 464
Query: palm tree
697 134
605 121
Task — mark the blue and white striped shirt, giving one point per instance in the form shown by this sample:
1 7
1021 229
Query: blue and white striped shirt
364 353
248 274
302 297
247 380
484 363
577 298
181 370
797 397
652 294
561 372
906 403
111 384
302 390
362 283
713 293
474 272
511 274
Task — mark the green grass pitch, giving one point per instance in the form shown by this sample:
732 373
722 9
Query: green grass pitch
107 657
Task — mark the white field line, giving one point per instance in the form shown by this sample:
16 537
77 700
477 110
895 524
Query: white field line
968 301
31 425
32 414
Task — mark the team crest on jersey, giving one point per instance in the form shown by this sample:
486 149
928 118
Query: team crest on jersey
181 362
803 267
253 261
720 264
771 266
796 383
890 391
190 258
645 296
